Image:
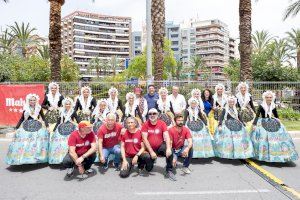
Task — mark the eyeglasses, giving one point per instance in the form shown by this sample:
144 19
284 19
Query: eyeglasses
152 114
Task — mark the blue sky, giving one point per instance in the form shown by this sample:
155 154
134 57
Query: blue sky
267 14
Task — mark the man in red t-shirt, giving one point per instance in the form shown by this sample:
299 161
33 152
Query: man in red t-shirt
109 141
82 149
178 134
133 149
157 141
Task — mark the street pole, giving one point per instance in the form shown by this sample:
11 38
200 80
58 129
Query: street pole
149 41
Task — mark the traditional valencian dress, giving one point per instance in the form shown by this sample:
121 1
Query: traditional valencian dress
246 108
31 141
65 125
52 103
202 140
271 141
232 142
84 107
115 105
166 112
99 116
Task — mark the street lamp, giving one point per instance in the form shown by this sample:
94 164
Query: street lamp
149 41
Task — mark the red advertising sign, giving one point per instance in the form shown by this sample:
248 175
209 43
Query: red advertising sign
12 100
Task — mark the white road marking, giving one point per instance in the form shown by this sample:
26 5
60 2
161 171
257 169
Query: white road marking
201 192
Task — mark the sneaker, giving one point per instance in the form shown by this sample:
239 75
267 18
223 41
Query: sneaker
117 167
171 176
89 171
186 170
70 172
105 166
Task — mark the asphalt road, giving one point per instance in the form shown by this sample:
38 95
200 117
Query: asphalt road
210 179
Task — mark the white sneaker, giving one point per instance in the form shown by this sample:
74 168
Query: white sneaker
186 170
89 171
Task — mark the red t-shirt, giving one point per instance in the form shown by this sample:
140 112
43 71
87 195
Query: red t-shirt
155 133
178 138
82 144
132 142
110 137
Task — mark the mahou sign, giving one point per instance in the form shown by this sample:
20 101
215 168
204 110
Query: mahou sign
12 100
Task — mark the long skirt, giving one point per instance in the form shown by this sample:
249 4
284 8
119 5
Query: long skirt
202 140
30 144
272 143
212 123
58 147
232 141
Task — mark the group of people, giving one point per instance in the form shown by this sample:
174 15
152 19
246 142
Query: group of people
156 124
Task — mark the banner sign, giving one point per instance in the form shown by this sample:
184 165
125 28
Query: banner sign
12 100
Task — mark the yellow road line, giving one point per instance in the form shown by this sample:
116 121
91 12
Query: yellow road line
273 178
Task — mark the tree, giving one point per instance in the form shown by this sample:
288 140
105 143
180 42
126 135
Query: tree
43 52
294 44
281 53
245 48
7 42
23 37
158 34
113 64
55 38
95 63
292 10
69 69
260 40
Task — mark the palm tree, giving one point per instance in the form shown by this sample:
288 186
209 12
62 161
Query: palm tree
245 48
55 38
7 42
260 40
96 63
294 44
114 63
282 52
197 65
158 33
292 10
43 52
23 37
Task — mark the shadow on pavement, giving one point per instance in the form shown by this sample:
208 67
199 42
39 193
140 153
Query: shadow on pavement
234 162
26 168
79 177
276 165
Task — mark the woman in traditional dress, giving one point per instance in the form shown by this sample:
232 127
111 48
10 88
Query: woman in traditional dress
52 102
141 102
99 114
114 103
196 121
271 141
245 104
132 109
231 139
164 107
85 104
196 93
31 141
65 125
208 102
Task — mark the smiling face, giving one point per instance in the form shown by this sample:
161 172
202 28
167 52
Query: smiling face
194 104
269 99
68 105
153 116
220 91
163 94
151 90
131 100
32 101
175 91
53 89
231 102
113 94
206 94
243 89
86 93
102 105
131 124
196 95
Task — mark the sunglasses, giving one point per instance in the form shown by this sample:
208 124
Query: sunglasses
152 113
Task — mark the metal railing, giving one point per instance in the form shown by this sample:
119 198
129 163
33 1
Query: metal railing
286 92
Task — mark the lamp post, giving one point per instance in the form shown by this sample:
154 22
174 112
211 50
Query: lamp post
149 41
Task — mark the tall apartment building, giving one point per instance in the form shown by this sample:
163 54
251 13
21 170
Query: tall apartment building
89 35
188 45
136 43
173 34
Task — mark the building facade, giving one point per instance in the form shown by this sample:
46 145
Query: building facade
88 35
136 43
